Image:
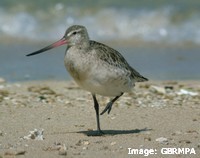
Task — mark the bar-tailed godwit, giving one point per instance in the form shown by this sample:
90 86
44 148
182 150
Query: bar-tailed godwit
96 67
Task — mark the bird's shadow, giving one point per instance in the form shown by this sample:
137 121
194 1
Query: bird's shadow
114 132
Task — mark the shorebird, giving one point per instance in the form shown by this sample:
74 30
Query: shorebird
96 67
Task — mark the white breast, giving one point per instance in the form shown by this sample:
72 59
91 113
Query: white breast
95 76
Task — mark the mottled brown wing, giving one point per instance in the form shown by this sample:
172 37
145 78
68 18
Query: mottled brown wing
114 58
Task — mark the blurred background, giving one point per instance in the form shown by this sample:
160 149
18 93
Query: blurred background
160 39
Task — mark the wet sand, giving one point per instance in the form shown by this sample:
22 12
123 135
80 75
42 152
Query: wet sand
155 115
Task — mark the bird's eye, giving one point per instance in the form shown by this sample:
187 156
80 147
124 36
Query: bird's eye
74 33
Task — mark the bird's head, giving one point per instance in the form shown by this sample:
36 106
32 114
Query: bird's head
74 35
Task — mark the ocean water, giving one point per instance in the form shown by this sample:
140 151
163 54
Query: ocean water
161 21
160 39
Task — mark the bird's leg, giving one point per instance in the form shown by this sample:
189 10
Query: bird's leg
96 106
109 105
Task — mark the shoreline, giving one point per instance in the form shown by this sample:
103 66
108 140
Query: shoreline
153 61
155 114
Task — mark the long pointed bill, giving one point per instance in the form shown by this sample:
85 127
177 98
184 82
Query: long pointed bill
61 42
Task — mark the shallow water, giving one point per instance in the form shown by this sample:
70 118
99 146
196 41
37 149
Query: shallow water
155 63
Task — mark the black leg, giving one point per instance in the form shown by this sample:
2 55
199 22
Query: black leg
109 105
96 106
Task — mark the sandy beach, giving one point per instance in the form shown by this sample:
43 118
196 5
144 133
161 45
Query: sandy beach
44 114
56 118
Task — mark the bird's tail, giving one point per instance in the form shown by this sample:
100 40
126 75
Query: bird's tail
141 78
137 77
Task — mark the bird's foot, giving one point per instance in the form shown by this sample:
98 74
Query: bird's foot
107 108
